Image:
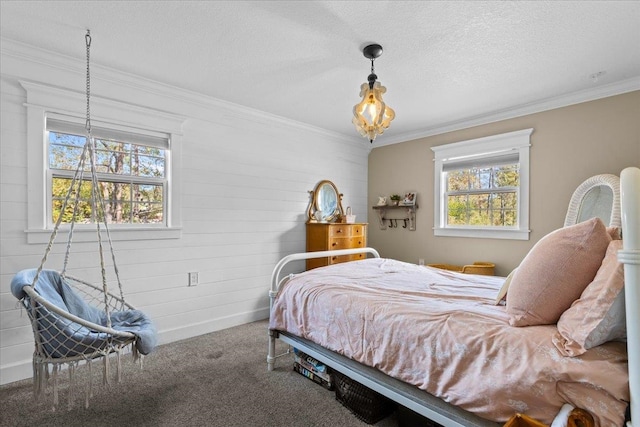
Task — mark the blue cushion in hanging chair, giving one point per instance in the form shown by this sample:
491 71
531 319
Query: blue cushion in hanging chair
61 336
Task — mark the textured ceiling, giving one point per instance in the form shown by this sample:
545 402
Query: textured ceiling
444 63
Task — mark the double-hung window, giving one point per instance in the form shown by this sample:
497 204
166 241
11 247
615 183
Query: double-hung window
138 151
131 171
482 187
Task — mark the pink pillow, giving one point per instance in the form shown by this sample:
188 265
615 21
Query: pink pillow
555 272
599 315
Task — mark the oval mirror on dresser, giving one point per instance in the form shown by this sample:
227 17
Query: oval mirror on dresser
326 203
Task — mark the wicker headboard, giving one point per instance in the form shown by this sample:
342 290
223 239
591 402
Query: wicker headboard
598 196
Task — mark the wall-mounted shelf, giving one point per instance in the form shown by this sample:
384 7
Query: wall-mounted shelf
388 212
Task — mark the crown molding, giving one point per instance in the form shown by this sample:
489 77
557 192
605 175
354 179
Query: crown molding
578 97
49 59
68 64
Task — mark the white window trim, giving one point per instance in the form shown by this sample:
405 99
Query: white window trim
512 141
43 100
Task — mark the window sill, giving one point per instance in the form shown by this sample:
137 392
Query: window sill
88 234
482 233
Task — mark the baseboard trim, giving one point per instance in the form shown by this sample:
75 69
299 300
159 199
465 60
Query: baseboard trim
193 330
16 372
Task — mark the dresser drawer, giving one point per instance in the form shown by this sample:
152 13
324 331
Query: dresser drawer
346 230
346 243
346 258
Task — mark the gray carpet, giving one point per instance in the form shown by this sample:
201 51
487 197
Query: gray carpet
218 379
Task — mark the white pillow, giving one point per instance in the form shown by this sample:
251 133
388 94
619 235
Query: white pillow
502 293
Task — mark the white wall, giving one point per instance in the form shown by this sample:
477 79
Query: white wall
245 182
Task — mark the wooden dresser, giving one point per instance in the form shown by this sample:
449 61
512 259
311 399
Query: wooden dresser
332 236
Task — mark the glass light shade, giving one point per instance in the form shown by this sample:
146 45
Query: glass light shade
371 115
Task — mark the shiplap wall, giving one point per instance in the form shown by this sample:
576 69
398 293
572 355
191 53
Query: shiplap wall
245 182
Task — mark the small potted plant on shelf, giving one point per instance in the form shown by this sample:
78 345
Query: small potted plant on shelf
395 199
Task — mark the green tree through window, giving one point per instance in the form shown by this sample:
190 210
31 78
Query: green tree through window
485 196
131 179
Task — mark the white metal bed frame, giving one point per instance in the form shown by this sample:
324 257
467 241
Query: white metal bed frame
436 409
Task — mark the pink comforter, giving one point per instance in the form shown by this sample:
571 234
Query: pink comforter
442 332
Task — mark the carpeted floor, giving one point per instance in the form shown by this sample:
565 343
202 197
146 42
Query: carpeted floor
218 379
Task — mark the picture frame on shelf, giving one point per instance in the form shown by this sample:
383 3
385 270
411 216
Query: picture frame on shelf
409 199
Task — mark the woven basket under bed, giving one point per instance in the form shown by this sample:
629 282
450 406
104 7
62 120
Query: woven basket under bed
367 405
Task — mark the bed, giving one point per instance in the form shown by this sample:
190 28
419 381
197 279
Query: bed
437 342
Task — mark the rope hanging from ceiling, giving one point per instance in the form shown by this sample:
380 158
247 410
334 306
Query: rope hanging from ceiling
72 319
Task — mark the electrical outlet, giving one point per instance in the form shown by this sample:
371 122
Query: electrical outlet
421 261
193 278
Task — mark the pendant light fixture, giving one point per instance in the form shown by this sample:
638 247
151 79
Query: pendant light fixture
371 115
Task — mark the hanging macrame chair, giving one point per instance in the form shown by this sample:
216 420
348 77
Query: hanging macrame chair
67 324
